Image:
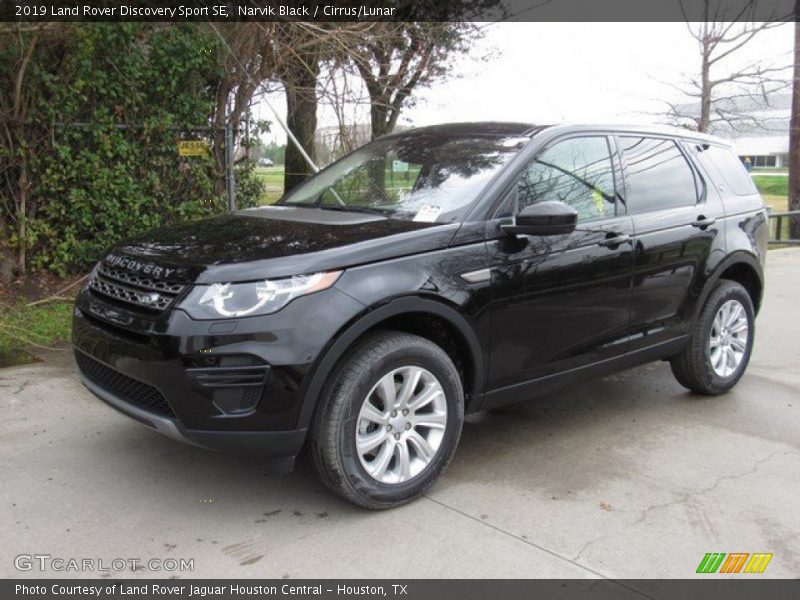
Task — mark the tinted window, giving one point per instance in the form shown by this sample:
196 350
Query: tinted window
724 166
578 172
657 176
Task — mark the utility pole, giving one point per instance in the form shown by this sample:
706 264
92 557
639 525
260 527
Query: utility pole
794 134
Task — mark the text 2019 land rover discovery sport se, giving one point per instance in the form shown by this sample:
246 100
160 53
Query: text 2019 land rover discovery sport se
430 274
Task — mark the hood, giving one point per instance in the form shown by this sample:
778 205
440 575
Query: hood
275 241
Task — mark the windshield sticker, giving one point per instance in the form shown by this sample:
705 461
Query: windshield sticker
427 214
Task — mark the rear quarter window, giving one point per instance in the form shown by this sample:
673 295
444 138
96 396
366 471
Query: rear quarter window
726 168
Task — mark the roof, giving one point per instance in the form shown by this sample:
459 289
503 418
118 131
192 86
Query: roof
500 128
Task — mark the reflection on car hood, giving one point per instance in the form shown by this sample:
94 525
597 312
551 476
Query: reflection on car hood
279 241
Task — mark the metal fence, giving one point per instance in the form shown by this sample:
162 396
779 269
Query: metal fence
780 233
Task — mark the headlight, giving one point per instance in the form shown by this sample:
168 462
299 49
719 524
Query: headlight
228 300
90 277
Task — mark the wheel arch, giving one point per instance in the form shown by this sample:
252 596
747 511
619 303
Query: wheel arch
741 267
409 314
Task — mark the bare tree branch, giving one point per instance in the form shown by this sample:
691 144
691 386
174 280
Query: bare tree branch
722 35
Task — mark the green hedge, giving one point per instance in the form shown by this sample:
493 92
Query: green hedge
113 107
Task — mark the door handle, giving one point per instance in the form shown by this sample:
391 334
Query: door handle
615 239
702 222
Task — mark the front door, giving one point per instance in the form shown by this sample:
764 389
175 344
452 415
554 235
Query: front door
561 303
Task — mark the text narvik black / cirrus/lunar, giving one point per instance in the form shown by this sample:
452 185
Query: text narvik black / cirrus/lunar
182 12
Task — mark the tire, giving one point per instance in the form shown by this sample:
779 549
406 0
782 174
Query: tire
699 367
383 361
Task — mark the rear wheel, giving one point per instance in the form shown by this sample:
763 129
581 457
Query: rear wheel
720 345
389 420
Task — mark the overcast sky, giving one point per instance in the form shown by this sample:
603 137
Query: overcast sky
570 72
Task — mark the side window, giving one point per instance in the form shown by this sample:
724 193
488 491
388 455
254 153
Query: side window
727 169
657 175
578 172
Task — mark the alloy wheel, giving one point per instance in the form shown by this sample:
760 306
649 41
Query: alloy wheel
401 424
727 343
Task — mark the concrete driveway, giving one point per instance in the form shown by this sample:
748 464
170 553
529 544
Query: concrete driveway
626 477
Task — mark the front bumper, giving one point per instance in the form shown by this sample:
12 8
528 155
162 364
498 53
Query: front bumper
235 386
258 443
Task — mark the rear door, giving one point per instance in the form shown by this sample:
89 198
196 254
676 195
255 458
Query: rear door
676 223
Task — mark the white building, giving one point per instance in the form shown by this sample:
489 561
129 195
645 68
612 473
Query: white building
758 130
764 142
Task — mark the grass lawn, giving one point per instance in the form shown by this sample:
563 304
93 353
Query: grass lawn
272 177
772 186
777 203
24 326
775 191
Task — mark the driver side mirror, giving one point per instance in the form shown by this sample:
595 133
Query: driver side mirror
544 218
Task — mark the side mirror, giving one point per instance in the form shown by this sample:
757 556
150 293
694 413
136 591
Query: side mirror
545 218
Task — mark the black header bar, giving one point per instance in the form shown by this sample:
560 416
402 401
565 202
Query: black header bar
331 11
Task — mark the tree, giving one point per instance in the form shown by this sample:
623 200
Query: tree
248 59
794 134
299 71
724 97
22 87
262 56
89 116
395 59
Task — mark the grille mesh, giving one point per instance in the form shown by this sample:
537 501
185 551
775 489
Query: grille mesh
131 288
137 280
137 393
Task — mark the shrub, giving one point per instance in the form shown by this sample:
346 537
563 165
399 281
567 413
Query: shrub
113 100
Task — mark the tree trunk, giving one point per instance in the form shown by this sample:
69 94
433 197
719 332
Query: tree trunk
378 121
22 215
218 138
705 88
794 135
301 118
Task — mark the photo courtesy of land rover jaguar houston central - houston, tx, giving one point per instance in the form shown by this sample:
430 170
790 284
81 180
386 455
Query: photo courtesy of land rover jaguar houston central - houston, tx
427 275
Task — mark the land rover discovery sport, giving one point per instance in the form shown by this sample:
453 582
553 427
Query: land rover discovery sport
427 275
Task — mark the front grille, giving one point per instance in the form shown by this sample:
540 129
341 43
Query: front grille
131 288
137 280
137 393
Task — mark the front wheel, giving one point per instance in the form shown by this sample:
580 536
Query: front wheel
720 345
389 420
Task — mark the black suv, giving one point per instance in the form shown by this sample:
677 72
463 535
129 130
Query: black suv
427 275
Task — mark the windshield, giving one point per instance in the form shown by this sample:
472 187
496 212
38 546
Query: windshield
416 176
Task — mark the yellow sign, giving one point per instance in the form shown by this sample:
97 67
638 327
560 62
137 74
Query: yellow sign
193 148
